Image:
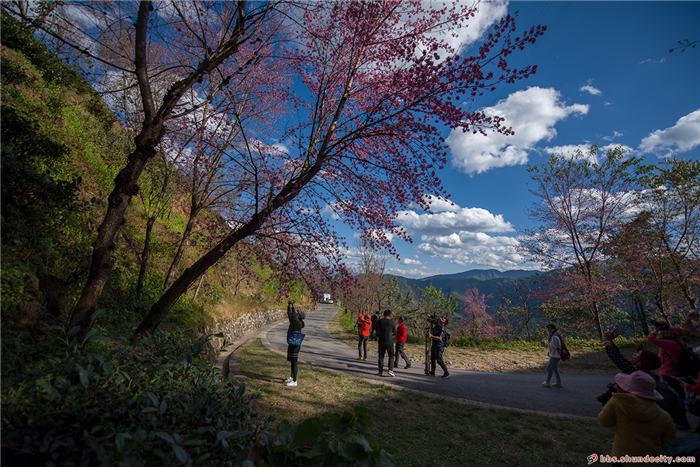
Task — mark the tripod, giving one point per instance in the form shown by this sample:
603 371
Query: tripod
427 350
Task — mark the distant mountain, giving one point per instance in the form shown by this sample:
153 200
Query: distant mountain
488 282
482 275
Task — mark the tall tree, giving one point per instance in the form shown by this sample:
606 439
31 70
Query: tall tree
380 79
377 75
581 200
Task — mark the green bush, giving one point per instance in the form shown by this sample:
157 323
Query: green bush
157 401
345 440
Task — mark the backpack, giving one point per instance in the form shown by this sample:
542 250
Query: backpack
688 362
445 338
563 352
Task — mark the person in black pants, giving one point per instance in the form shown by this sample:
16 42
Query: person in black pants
373 329
385 330
438 347
296 323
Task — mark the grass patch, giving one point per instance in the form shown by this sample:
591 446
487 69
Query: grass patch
421 430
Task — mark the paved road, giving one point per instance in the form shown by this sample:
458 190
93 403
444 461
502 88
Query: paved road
513 390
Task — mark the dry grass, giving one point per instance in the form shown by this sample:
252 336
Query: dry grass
421 430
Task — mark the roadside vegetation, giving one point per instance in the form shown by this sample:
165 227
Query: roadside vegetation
420 430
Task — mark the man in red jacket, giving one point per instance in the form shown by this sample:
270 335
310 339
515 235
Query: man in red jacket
364 323
400 341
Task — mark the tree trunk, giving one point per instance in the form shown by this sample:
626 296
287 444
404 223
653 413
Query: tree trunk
125 187
144 256
178 254
196 292
596 316
642 314
191 274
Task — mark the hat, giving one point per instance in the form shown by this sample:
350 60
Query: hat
648 360
676 330
640 384
301 314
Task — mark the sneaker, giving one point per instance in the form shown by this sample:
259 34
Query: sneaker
359 358
407 367
292 383
557 385
391 373
365 359
431 374
379 374
288 380
446 375
545 383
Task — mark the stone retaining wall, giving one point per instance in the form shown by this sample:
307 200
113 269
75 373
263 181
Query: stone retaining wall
239 327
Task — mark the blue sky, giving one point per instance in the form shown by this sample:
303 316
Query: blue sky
605 75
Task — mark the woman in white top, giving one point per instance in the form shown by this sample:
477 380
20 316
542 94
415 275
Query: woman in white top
554 345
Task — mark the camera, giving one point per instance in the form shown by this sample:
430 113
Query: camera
662 326
433 319
607 395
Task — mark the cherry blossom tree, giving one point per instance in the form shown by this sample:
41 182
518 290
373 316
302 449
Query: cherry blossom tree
581 201
475 321
379 84
658 250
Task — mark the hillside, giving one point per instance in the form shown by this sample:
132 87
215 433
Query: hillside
489 282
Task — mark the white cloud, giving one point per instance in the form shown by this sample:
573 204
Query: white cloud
487 13
616 134
423 272
681 137
476 249
591 90
465 219
532 113
570 150
411 262
651 61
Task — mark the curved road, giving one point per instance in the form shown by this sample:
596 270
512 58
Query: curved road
520 391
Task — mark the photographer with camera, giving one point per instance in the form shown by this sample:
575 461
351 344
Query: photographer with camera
648 362
670 346
438 345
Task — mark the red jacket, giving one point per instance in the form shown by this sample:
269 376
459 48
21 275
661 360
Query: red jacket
401 333
366 323
669 353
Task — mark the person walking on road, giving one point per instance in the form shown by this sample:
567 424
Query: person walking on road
363 323
438 347
553 350
296 323
385 332
373 330
400 341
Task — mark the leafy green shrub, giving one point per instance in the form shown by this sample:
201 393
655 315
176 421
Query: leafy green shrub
157 401
347 324
345 440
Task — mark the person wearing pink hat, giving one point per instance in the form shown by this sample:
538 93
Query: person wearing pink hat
648 362
641 426
670 346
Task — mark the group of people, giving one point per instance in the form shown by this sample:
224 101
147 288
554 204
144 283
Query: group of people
391 340
648 401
